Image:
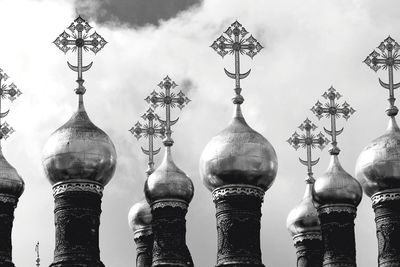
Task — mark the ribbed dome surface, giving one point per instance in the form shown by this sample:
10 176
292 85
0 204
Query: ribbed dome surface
10 181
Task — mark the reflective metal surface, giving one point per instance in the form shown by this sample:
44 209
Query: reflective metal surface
10 181
336 186
168 182
79 150
304 217
378 166
139 216
238 155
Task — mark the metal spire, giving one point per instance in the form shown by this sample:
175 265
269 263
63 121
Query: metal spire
308 141
333 110
233 41
388 59
78 39
150 130
37 254
11 92
168 100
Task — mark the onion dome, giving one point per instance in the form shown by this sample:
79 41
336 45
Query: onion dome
79 150
238 155
168 182
304 217
139 216
378 166
10 181
336 186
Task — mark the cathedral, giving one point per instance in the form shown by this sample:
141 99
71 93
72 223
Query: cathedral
238 166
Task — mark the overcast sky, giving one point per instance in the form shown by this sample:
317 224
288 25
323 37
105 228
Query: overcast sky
309 46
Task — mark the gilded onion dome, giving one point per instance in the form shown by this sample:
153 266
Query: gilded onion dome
139 216
336 186
378 166
168 182
303 218
238 155
79 150
10 181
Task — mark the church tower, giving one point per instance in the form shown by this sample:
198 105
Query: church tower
11 183
79 159
238 166
378 166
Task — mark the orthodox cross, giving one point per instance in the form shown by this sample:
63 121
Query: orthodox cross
388 59
150 130
11 92
308 141
168 100
78 39
234 41
333 110
37 254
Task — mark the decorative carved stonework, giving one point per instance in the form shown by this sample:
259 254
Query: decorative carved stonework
337 227
387 218
77 221
7 206
144 248
309 250
169 230
238 227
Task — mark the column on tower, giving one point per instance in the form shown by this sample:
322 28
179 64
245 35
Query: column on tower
336 193
238 166
79 159
11 184
378 166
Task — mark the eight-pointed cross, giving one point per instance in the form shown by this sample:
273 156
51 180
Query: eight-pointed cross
79 31
233 41
333 110
149 130
167 100
387 58
309 141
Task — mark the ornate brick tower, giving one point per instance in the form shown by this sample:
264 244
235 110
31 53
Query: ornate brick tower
378 166
169 191
11 184
336 193
238 166
79 160
303 222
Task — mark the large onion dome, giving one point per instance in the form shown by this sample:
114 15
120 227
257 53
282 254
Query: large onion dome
10 181
378 166
139 216
168 182
238 155
336 186
303 218
79 150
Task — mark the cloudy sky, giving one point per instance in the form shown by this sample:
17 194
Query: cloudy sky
309 46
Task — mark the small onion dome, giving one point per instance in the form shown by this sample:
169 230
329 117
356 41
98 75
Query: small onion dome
238 155
79 150
168 182
337 186
10 181
303 218
378 166
139 216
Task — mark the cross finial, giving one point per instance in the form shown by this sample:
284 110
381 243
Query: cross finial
168 100
78 38
234 41
333 110
10 91
308 141
37 254
150 129
387 58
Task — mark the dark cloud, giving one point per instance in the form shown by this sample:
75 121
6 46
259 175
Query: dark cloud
134 13
187 85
